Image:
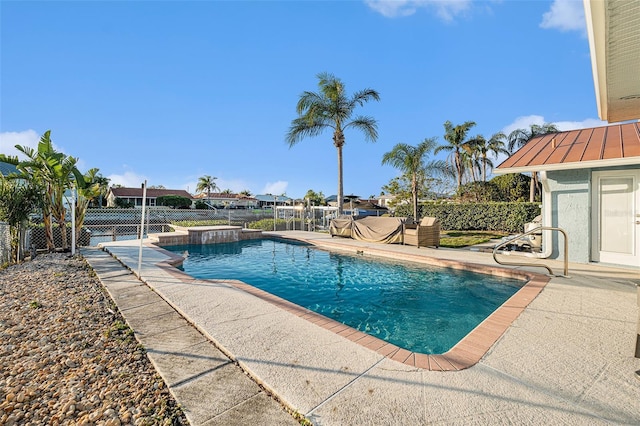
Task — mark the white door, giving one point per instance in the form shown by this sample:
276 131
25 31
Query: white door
616 222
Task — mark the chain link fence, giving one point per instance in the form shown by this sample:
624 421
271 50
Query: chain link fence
109 224
5 243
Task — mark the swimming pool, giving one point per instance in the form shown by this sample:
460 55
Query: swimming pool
414 306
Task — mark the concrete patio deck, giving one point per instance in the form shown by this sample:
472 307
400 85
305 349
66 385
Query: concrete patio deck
567 359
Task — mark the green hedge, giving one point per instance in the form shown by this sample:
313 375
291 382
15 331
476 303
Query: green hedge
506 217
267 224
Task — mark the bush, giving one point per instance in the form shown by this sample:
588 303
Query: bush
267 224
513 186
122 204
479 192
493 216
174 201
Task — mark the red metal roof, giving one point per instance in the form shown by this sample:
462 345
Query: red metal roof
596 147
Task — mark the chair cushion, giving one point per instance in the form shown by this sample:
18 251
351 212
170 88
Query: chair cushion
428 221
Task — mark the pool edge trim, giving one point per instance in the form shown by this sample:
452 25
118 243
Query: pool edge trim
464 354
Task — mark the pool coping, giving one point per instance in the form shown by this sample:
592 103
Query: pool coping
466 353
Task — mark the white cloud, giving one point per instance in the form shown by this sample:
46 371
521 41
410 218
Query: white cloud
8 141
526 121
27 138
445 9
128 179
523 123
584 124
276 188
565 15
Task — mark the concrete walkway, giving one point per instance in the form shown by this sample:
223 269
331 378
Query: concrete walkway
567 359
210 387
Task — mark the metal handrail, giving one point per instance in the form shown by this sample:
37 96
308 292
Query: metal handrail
532 231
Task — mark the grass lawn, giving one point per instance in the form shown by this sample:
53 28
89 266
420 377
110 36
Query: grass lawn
458 239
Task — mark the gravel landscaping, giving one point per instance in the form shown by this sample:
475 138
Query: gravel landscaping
66 354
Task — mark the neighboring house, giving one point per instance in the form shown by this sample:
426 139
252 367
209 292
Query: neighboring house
357 206
332 200
363 208
134 195
268 200
224 200
6 169
384 200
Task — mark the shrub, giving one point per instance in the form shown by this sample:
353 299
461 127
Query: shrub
122 204
174 201
513 186
479 192
493 216
267 224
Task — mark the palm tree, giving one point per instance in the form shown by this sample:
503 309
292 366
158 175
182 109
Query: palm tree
520 137
93 190
55 172
456 139
332 108
207 183
471 157
483 148
411 161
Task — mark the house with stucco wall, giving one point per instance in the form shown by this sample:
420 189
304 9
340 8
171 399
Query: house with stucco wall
134 195
591 177
590 188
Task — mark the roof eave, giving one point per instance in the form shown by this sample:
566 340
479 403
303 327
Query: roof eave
630 161
596 30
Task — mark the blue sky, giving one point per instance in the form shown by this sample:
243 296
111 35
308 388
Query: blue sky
170 91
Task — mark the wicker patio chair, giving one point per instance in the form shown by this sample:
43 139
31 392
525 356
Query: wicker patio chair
424 234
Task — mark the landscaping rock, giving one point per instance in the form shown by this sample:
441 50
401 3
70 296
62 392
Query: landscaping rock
65 357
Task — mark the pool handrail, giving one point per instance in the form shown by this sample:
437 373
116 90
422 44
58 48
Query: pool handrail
533 231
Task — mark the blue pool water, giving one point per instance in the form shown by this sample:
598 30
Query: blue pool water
417 307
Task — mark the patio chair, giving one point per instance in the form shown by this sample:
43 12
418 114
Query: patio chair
423 234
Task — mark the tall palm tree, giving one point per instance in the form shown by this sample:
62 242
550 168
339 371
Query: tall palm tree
331 108
456 136
410 160
471 157
483 148
208 184
520 137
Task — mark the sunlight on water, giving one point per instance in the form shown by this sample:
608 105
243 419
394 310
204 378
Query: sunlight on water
417 307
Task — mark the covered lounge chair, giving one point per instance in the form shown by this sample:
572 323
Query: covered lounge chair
424 234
